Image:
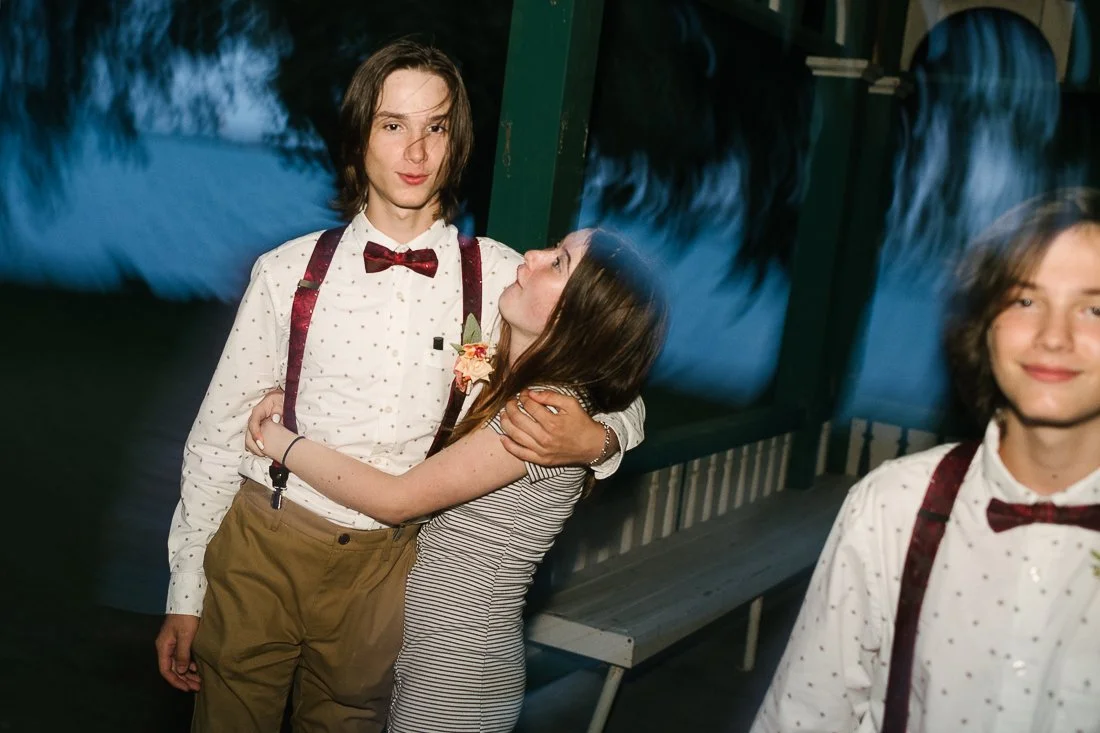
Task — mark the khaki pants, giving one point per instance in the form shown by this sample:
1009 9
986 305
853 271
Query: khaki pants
292 598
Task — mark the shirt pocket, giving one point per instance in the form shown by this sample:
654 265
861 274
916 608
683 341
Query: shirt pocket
438 359
434 374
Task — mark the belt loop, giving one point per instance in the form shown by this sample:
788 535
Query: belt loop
395 533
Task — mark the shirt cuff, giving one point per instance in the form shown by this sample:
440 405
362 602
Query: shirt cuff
611 463
185 593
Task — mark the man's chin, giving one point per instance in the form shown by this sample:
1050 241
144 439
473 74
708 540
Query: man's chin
417 203
409 202
1038 419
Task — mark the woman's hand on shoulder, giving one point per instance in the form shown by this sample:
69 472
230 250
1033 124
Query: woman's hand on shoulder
549 428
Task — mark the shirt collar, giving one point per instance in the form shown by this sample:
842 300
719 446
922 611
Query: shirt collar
363 231
1004 486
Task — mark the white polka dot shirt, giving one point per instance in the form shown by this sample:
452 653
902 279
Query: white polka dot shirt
372 384
1009 634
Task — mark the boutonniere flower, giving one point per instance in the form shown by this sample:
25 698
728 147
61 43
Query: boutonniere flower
472 364
1096 565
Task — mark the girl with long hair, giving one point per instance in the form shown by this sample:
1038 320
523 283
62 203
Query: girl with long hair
584 318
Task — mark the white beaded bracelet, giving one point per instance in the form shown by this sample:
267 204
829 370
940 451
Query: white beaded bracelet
606 445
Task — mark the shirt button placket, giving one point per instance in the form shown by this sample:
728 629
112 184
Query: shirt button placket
402 356
1018 690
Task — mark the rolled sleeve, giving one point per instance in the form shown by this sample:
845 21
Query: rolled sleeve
628 427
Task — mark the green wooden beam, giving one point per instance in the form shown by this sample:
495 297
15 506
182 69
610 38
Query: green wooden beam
831 21
888 33
854 281
668 446
803 368
860 39
548 81
1082 45
791 10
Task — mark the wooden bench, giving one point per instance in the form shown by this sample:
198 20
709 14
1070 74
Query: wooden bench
626 609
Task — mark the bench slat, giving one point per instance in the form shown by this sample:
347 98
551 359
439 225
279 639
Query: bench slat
629 607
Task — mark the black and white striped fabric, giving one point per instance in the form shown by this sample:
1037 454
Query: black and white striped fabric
462 663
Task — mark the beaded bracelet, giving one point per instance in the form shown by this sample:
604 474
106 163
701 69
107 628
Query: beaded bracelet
606 445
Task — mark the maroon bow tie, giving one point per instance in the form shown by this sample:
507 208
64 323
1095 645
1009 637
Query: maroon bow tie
1004 516
378 258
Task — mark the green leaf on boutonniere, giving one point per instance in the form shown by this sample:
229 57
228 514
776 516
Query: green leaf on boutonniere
471 332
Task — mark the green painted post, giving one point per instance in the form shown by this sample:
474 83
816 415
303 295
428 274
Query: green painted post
791 10
859 260
880 31
840 87
857 17
548 81
858 266
888 33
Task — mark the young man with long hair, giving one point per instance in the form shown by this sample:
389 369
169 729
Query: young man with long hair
293 589
584 318
960 587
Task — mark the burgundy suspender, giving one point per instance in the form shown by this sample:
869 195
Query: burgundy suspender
925 542
301 311
305 299
471 304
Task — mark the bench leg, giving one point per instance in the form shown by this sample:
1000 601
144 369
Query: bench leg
753 634
607 696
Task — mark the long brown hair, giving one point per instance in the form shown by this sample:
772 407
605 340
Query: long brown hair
600 340
361 104
995 264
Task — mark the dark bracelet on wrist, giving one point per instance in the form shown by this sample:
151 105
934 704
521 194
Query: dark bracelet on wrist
287 451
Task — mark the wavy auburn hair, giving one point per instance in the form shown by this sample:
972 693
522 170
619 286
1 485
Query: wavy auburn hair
600 340
361 104
1002 257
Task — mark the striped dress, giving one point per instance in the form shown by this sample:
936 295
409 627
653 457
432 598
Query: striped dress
462 662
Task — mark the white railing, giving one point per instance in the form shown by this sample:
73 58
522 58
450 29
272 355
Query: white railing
632 512
870 444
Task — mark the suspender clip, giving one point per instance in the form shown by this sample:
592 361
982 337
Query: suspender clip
279 475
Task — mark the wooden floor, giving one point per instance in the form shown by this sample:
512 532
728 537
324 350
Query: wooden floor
695 686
